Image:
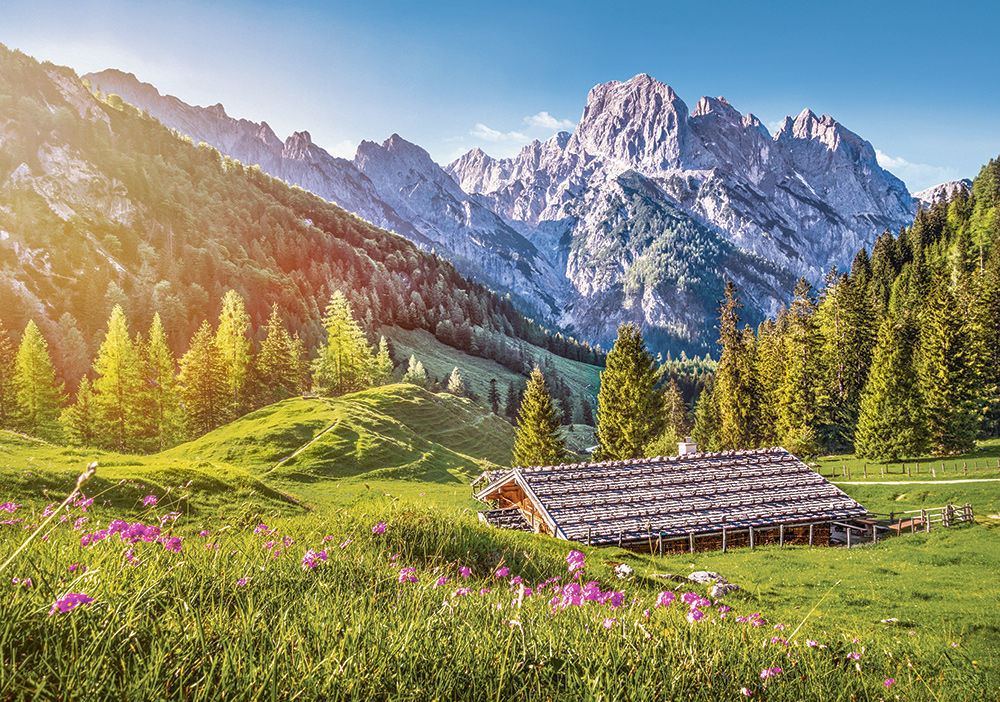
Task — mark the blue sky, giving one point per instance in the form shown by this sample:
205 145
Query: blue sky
918 80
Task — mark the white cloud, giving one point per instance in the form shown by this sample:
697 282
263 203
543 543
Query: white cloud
543 120
481 131
917 176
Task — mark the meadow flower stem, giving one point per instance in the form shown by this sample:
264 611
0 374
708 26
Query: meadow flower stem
809 614
84 477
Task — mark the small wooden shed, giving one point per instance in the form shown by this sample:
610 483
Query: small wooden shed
694 501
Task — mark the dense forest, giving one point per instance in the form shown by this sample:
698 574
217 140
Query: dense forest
102 206
897 357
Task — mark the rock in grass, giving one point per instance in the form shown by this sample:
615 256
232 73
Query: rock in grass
623 570
706 576
669 576
723 589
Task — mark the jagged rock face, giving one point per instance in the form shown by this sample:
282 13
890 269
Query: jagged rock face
395 186
943 191
638 215
805 199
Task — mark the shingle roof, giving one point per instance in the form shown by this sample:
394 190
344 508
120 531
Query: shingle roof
508 518
696 493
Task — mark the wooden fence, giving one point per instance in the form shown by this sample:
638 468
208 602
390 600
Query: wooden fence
877 526
932 469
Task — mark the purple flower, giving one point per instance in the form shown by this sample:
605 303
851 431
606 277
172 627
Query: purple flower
608 622
695 615
464 572
503 572
769 673
10 507
461 592
575 560
241 582
889 682
346 543
664 599
261 528
778 639
854 656
440 581
746 692
379 528
77 566
149 501
312 558
407 575
172 543
70 602
204 532
485 590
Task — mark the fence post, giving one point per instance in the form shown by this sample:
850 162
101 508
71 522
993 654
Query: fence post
874 534
619 539
848 537
589 533
660 540
810 534
866 471
691 540
965 468
882 470
923 519
751 538
781 535
723 538
968 512
944 516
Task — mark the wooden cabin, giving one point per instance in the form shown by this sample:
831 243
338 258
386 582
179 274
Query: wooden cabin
692 501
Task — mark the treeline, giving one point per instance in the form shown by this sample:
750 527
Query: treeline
896 358
165 227
137 397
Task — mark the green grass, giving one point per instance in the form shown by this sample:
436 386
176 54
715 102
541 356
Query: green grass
180 626
981 463
583 379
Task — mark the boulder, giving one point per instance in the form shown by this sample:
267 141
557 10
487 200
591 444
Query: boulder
706 576
723 589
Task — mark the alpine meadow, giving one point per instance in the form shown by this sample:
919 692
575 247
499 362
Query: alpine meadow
651 403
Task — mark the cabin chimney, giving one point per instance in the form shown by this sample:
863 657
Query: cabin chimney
686 447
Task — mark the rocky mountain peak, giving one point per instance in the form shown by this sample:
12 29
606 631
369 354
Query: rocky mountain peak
717 106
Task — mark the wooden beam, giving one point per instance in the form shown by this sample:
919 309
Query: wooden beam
781 535
751 537
723 539
810 534
691 540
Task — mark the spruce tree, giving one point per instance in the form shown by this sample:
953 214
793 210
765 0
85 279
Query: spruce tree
275 364
8 395
629 409
736 393
493 396
382 374
206 392
415 373
345 362
947 374
455 385
118 386
159 369
706 420
586 412
801 386
539 440
512 403
891 419
72 359
233 343
39 396
770 358
79 419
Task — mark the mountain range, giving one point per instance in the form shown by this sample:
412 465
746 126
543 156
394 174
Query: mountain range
639 214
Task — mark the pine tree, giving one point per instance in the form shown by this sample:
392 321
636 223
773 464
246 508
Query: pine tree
79 419
39 396
233 343
159 369
345 362
891 418
586 412
512 403
8 395
118 386
415 373
206 392
300 363
947 374
799 394
771 355
72 358
455 385
706 420
382 375
629 410
493 396
275 364
539 440
736 393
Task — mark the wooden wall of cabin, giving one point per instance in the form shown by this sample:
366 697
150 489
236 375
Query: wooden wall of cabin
511 495
798 536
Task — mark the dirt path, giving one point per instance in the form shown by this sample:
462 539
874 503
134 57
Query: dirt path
304 446
918 482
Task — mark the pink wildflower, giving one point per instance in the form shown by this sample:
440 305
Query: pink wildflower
811 644
854 656
48 510
503 572
204 532
779 627
149 501
461 592
261 528
574 560
855 640
464 571
769 673
889 682
485 590
695 615
778 639
608 622
241 582
172 543
70 602
379 528
746 692
516 580
312 558
408 575
76 566
393 556
9 507
724 608
440 581
346 543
